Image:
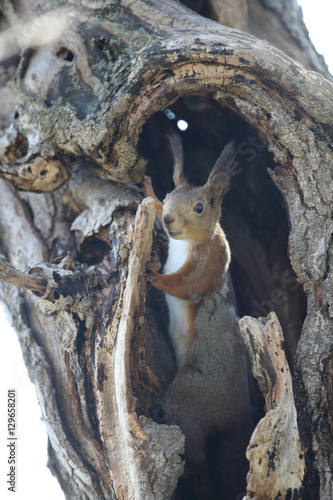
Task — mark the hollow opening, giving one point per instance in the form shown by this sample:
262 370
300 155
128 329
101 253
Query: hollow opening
254 218
65 54
93 250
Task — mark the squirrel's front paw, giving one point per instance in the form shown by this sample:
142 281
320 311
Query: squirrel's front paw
153 266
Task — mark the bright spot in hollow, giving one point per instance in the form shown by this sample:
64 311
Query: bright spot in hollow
182 125
169 114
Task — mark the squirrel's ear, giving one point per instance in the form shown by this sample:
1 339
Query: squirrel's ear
225 167
178 159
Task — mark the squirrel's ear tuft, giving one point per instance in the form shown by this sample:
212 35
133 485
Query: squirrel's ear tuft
178 159
225 167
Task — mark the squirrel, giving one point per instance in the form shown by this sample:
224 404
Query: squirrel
210 394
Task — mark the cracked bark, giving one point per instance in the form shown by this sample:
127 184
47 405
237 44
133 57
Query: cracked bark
87 123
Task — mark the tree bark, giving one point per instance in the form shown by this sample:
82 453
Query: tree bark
91 115
274 452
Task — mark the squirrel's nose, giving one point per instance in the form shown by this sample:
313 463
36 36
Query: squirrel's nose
168 219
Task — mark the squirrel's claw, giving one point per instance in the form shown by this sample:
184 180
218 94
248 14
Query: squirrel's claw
153 266
154 262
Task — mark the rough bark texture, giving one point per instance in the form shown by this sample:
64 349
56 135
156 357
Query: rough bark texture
86 114
275 451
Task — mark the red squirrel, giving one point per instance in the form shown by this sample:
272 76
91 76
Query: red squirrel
198 254
210 394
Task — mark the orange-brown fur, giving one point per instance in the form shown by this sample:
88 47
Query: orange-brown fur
191 333
210 394
199 276
208 255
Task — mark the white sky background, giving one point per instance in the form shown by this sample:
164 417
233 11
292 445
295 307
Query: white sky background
34 480
318 19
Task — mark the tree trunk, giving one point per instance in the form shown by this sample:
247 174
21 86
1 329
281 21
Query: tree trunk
94 102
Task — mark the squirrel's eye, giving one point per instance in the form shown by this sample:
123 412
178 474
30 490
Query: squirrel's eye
198 208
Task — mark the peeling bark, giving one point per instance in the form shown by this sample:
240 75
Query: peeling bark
275 451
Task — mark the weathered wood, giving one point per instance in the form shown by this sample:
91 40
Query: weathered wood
72 115
15 277
275 452
142 459
130 451
48 336
268 20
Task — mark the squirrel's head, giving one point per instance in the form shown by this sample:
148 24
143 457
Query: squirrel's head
191 213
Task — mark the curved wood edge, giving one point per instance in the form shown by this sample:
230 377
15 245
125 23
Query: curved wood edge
138 451
275 453
181 57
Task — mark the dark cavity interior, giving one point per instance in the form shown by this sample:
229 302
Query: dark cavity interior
255 220
254 215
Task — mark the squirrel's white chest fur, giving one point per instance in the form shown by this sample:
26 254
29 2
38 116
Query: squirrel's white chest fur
178 308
